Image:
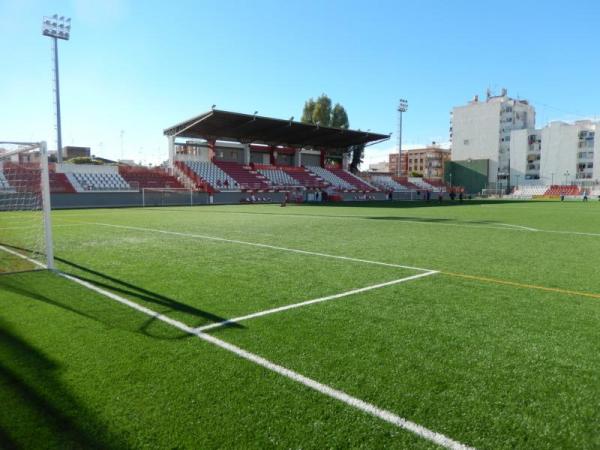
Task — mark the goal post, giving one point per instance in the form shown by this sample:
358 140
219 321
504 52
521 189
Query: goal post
25 211
167 197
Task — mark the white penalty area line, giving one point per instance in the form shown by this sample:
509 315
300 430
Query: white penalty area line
336 394
521 227
256 244
312 302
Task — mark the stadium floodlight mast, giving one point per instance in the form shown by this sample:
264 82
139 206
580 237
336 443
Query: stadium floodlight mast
402 108
57 27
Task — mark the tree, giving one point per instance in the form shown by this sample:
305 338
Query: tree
339 118
358 152
320 112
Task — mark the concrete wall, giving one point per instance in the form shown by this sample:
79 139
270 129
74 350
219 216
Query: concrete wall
86 168
132 199
559 152
473 174
519 146
476 132
309 159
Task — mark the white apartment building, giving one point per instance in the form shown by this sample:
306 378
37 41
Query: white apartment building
559 153
482 130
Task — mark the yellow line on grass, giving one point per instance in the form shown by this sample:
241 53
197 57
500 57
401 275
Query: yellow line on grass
521 285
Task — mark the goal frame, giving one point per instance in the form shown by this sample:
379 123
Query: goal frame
163 190
45 193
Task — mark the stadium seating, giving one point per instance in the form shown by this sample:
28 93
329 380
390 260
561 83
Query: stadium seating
305 178
421 184
404 182
98 182
595 192
555 190
529 191
331 178
213 175
278 177
59 183
243 175
352 179
386 182
436 184
148 178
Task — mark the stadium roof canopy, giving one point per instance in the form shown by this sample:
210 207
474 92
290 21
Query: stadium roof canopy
248 128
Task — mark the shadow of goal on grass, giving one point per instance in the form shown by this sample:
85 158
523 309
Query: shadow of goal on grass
126 289
37 410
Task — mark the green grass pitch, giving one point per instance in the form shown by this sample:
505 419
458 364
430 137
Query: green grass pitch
499 348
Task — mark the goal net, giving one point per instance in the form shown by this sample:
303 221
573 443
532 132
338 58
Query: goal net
25 228
167 197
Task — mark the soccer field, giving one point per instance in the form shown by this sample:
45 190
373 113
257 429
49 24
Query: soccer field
377 326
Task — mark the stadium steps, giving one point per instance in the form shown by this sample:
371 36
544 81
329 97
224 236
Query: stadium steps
335 181
59 183
387 183
352 179
243 175
149 178
404 182
305 177
276 176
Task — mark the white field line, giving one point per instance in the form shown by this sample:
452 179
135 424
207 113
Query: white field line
256 244
578 233
341 396
504 226
518 226
39 226
26 258
312 302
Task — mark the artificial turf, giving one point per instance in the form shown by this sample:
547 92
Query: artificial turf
498 350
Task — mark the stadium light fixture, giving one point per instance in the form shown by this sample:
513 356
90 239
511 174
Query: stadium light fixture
402 108
57 27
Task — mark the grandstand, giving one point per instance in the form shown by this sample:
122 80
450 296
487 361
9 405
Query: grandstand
144 177
353 180
278 177
388 183
306 178
331 178
208 173
528 192
89 182
243 175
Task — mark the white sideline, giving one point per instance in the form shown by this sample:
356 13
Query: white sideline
357 403
312 302
256 244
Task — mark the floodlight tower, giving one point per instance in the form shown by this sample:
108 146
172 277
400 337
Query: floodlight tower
402 108
57 27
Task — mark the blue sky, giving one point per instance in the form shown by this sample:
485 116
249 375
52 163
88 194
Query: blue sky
141 66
